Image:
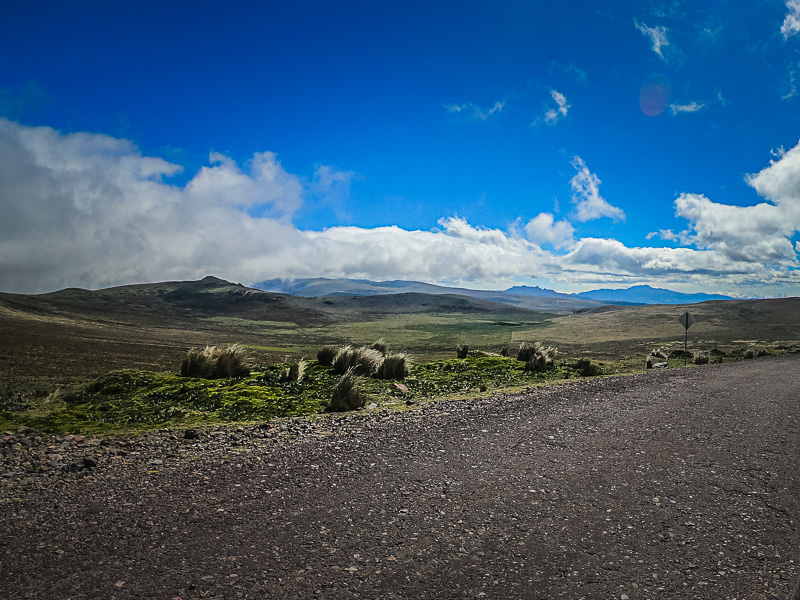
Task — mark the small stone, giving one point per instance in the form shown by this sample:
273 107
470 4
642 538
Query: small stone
191 434
89 462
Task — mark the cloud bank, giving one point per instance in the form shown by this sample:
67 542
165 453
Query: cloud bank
90 210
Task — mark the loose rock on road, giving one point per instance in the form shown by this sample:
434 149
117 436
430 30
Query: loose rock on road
681 483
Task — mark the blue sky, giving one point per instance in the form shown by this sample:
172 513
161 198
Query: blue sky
485 144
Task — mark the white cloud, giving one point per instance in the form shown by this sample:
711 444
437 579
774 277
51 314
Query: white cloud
476 112
589 204
790 81
745 234
760 234
457 252
266 185
665 234
89 210
657 36
780 181
791 23
543 229
692 107
597 256
552 115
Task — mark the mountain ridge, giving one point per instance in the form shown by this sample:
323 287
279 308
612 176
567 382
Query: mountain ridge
638 294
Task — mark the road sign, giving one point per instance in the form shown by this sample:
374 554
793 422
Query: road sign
687 320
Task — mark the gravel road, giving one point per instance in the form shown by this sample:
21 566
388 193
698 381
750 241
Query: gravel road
680 483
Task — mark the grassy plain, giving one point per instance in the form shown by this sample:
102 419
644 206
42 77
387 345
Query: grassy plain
103 361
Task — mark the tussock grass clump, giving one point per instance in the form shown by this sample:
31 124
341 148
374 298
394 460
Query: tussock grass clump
347 395
538 363
749 354
215 363
343 360
541 359
294 372
367 361
364 361
394 366
197 364
528 350
326 354
380 346
462 350
658 353
587 368
701 358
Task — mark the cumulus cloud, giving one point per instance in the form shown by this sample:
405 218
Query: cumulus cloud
598 256
589 204
758 235
543 229
791 23
754 234
457 251
692 107
780 181
90 210
669 235
552 115
657 36
474 111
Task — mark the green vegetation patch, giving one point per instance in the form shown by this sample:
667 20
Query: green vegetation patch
131 400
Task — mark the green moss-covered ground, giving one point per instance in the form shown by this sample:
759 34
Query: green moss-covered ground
131 400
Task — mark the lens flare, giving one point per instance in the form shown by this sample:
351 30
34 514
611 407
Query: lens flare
654 97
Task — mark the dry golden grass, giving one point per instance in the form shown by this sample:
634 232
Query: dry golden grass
213 362
347 394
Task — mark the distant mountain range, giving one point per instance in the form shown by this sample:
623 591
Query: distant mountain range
321 287
644 294
526 296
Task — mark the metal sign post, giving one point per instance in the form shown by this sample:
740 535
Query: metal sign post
687 320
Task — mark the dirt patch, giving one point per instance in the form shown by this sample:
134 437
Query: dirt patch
680 483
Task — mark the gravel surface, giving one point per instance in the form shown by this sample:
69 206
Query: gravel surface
681 483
